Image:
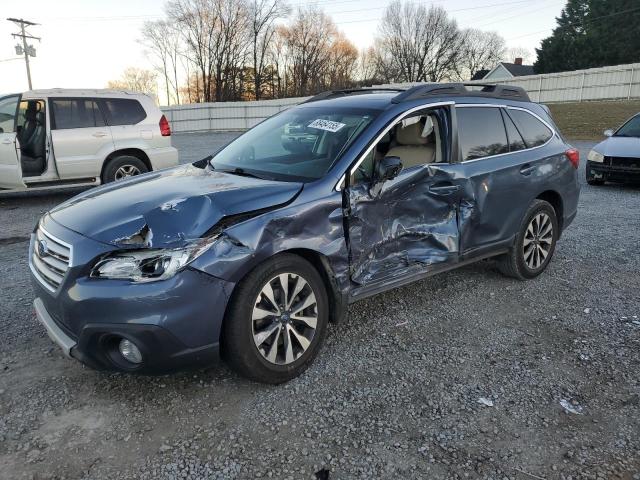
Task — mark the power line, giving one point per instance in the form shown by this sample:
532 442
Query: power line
28 50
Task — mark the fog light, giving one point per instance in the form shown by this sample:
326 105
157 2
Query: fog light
130 351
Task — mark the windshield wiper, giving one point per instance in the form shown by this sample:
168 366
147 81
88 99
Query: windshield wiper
238 171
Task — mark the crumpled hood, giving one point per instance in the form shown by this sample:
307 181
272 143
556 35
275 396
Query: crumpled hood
619 147
167 208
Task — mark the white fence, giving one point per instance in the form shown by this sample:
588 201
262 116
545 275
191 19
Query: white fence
606 83
223 116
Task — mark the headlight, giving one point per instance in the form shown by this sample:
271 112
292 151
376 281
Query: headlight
595 157
148 265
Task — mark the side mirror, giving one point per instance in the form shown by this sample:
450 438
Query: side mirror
608 133
388 168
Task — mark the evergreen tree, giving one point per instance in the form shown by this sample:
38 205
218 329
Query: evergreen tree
592 33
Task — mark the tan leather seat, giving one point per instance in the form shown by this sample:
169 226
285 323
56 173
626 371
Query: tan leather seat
412 148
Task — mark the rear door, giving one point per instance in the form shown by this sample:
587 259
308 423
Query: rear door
503 175
10 168
80 136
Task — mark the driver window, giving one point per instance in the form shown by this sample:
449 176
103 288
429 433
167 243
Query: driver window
416 140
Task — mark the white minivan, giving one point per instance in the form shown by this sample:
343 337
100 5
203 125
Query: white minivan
61 137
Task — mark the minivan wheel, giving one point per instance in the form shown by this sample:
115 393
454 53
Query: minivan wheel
534 244
276 321
122 167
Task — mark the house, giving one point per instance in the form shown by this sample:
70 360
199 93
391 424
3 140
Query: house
505 70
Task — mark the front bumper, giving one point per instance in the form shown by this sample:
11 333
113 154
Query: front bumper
600 171
176 323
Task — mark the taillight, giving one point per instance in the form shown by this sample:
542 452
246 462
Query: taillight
165 129
574 156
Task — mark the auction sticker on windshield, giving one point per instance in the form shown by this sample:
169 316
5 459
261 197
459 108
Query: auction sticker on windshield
327 125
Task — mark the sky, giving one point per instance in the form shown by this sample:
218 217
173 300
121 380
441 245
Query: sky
86 43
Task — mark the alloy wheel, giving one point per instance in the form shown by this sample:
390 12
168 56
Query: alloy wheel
284 318
538 240
126 171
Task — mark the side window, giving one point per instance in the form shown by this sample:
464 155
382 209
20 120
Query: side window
533 131
75 113
481 132
8 107
515 139
416 140
123 111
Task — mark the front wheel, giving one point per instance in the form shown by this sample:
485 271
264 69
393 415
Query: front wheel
276 321
534 244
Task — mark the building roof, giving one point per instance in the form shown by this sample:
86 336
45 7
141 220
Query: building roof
480 74
518 70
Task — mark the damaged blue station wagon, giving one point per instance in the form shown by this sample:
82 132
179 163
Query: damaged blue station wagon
250 253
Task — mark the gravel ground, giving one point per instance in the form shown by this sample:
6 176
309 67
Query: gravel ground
463 375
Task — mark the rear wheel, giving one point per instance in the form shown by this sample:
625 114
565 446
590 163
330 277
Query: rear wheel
534 244
276 321
122 167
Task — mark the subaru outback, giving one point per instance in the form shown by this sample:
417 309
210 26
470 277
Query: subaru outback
248 254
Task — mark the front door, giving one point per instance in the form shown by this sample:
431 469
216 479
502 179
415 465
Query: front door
81 139
409 224
10 169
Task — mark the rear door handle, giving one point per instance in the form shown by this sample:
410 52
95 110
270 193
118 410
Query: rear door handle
99 134
7 141
446 189
527 170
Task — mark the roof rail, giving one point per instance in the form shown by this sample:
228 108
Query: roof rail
349 91
460 89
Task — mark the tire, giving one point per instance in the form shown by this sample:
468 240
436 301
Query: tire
521 265
256 332
118 166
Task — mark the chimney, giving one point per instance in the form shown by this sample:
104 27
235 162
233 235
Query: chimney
518 61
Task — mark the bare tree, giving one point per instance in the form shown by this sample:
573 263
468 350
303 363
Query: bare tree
525 54
163 42
418 44
480 51
263 14
308 41
197 20
137 80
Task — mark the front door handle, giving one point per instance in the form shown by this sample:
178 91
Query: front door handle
443 189
7 141
527 169
99 134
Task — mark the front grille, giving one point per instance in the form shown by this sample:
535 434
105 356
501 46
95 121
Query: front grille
627 162
50 259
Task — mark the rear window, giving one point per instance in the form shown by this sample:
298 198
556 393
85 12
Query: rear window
481 132
123 111
534 132
76 113
516 141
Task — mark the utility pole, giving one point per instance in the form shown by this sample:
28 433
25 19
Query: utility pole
28 50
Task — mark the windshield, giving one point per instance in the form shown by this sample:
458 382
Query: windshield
300 144
630 129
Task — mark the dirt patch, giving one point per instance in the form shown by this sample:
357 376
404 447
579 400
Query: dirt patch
587 120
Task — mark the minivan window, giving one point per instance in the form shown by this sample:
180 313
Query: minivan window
481 132
123 111
75 113
300 144
516 142
534 132
8 107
